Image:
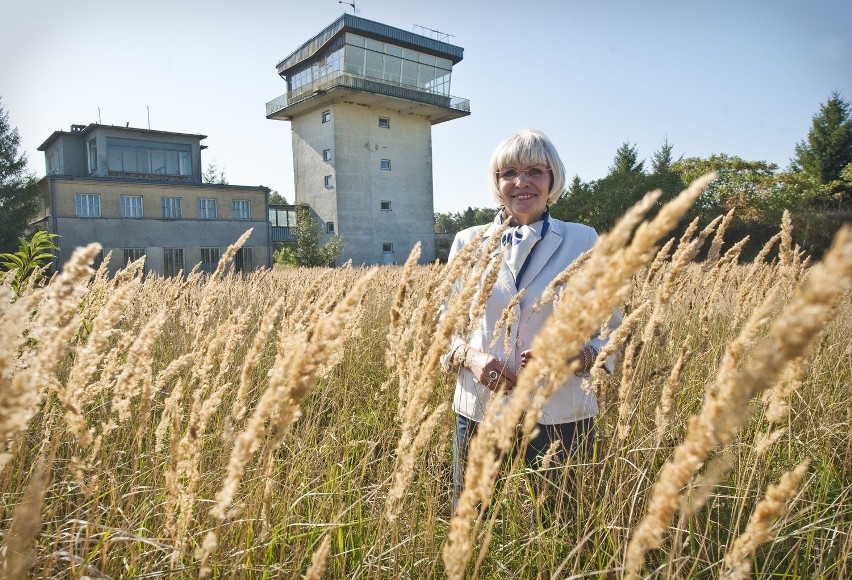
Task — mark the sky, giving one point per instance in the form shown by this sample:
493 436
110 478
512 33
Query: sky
721 76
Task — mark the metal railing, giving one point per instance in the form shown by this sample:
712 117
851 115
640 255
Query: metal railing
362 83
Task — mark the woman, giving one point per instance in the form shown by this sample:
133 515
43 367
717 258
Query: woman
525 176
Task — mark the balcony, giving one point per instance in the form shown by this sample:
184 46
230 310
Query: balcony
437 107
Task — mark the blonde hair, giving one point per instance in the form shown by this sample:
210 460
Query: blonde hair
529 146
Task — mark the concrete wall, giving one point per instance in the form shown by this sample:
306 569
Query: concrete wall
357 146
152 232
68 155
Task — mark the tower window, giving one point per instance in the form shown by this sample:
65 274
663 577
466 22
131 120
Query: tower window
385 165
385 205
384 123
326 154
328 182
387 248
326 116
329 227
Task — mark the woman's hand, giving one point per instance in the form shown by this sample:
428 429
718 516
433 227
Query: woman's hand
489 371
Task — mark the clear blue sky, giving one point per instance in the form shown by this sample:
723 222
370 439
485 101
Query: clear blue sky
736 77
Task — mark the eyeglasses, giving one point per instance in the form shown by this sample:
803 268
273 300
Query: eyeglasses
535 172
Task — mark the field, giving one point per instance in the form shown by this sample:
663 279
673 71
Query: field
295 422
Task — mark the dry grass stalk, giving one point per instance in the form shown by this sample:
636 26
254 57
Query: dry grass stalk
660 260
779 396
53 327
229 254
21 398
18 554
760 526
417 422
138 365
291 379
319 560
170 415
718 240
240 404
616 339
791 336
551 291
397 323
480 282
625 389
767 440
506 320
103 329
665 410
702 488
685 253
588 298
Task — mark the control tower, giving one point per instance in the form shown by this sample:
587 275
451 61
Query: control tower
361 100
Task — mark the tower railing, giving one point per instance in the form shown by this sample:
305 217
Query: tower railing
362 83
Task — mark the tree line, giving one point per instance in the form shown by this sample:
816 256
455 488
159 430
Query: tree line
815 187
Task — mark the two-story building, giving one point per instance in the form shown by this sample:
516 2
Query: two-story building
139 192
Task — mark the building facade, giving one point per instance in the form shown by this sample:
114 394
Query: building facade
361 99
139 192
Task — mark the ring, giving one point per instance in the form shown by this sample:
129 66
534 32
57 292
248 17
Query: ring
493 375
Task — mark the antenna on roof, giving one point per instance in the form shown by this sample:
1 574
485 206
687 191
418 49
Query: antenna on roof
432 33
352 4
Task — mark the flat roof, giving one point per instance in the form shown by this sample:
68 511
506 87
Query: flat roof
92 126
372 29
152 182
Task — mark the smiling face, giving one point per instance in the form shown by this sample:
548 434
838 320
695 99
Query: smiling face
524 189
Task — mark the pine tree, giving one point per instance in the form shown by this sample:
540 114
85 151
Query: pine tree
662 159
626 160
827 149
18 188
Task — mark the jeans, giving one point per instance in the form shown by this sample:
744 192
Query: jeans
576 437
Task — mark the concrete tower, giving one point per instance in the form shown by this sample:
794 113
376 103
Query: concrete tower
361 99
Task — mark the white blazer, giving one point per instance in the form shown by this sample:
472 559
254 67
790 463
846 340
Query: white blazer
561 245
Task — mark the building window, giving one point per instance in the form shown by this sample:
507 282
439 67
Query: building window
326 116
385 165
329 227
326 154
172 261
206 209
209 259
243 260
384 123
242 209
171 208
131 206
148 157
328 183
387 248
385 205
88 205
282 217
93 156
133 254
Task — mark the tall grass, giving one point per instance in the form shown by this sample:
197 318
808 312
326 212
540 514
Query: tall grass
293 422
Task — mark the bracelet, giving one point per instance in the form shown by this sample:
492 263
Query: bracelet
585 356
451 360
593 356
